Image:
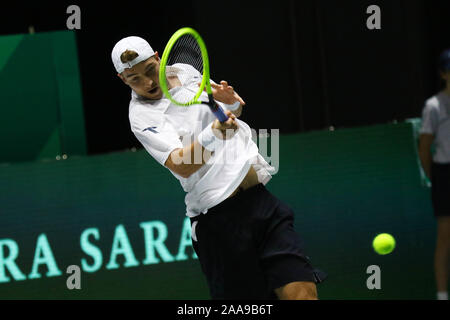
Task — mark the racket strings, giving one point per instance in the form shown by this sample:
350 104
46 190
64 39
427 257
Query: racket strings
185 51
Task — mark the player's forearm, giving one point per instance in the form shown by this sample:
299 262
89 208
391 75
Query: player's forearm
426 158
238 111
426 161
185 161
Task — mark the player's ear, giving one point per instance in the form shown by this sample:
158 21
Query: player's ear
157 56
122 78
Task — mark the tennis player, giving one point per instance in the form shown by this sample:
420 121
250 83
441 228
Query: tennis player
243 235
436 129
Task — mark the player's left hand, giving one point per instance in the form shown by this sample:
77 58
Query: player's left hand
224 93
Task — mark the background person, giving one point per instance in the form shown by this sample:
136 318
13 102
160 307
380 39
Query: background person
436 129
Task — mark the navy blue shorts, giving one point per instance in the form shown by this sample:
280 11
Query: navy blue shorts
440 189
247 247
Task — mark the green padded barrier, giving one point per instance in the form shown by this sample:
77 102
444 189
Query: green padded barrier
346 186
416 125
69 93
41 114
121 218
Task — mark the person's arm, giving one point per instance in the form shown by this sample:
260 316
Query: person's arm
238 111
185 161
425 142
430 122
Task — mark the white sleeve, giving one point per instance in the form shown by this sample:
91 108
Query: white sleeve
430 119
187 74
156 134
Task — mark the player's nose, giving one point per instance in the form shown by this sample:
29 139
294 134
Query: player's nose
150 83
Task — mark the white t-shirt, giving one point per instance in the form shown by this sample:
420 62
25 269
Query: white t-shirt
162 127
436 121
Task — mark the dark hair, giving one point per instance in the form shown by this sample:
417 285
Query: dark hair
442 65
128 56
444 61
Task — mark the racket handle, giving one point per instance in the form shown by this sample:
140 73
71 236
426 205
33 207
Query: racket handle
217 110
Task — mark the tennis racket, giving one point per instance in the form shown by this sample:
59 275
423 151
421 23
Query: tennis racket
185 62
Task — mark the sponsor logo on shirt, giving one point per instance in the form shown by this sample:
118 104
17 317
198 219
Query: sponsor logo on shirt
152 129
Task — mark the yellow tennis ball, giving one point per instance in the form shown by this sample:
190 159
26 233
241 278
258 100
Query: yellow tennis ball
383 243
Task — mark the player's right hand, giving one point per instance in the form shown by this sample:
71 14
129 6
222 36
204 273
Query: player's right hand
227 129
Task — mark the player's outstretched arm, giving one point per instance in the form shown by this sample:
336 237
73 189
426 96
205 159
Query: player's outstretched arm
185 161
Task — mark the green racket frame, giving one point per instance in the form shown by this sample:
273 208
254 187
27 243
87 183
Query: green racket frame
205 76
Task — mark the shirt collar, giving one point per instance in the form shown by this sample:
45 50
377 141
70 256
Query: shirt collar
160 105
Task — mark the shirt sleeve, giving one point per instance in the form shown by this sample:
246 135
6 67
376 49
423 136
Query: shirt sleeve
188 75
156 134
430 119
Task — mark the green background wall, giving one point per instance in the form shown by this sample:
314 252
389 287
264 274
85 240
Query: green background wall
345 186
41 112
